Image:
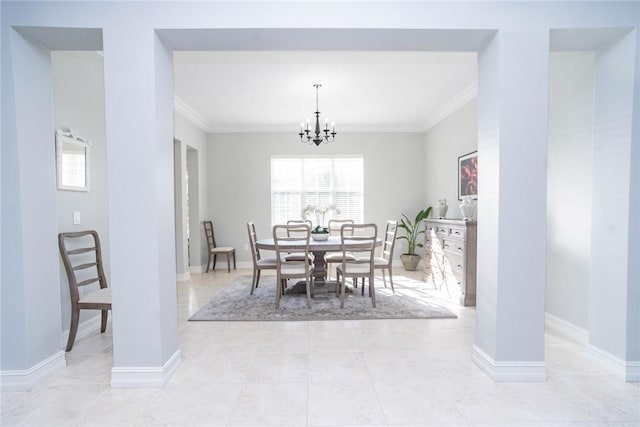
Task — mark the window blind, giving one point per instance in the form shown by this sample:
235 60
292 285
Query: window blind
317 181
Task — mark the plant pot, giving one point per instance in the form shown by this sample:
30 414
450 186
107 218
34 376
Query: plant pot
319 236
410 261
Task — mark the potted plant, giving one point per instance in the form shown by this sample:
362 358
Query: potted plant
319 232
412 231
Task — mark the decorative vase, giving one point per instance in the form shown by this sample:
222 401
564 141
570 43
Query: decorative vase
410 261
440 211
468 208
319 236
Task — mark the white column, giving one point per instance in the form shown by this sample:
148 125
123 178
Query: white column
196 234
180 186
614 298
139 125
31 342
512 155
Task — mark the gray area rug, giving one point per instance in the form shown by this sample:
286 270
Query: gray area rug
234 303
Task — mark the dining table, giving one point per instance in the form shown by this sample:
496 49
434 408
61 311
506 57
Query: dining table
319 248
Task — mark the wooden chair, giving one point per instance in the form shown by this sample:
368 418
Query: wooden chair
336 257
259 263
214 250
82 259
363 236
385 260
292 269
297 256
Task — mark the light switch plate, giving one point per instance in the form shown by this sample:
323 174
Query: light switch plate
76 217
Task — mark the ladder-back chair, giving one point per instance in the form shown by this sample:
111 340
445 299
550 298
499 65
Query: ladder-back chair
82 259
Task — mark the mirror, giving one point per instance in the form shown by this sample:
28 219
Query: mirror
72 158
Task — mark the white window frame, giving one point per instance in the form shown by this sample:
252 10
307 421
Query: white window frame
297 198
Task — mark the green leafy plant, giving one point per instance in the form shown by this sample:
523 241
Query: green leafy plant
413 230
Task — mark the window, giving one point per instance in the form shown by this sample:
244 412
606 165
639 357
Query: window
317 181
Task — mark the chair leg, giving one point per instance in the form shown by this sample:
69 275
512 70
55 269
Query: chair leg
234 260
258 278
228 263
253 281
384 278
278 291
372 290
103 325
391 280
308 280
215 260
208 262
73 328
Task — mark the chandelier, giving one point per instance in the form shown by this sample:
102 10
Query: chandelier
306 135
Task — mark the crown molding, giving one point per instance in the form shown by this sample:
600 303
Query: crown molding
190 114
458 101
287 128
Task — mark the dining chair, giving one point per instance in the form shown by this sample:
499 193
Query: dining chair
385 260
82 259
361 238
215 250
336 257
283 237
259 263
297 256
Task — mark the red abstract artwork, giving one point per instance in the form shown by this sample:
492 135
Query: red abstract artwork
468 175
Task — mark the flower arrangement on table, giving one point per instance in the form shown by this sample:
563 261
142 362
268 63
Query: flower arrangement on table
319 213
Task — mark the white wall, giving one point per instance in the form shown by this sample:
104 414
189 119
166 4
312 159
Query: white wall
444 143
569 186
78 102
612 195
240 174
194 144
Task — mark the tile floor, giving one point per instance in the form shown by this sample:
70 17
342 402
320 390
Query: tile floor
344 373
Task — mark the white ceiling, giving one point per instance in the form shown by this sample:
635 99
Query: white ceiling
382 91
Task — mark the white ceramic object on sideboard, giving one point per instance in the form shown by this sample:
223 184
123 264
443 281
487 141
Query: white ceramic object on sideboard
468 208
441 208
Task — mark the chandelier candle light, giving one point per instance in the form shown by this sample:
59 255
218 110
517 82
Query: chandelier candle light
317 137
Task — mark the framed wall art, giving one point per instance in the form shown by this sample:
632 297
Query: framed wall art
468 175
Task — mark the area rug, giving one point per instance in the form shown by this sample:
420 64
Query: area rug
234 303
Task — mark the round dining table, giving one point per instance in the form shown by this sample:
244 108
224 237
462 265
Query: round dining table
319 248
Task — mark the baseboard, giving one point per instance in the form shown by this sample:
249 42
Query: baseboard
632 372
629 371
222 266
183 277
145 377
197 269
25 380
566 329
509 371
85 328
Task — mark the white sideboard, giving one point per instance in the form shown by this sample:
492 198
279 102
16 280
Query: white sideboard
450 256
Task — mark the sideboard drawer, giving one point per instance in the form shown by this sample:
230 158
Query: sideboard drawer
443 231
450 255
455 262
454 247
457 232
